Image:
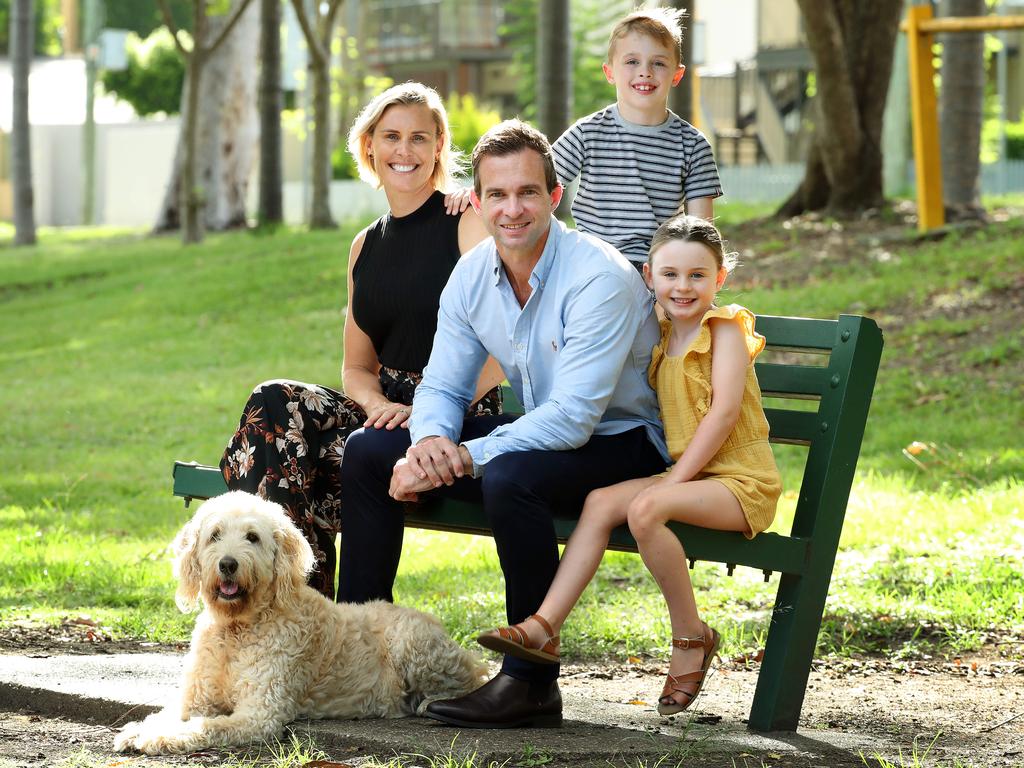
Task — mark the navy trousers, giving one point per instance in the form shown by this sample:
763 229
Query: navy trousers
521 494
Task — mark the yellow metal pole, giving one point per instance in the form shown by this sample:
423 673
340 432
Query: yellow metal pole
969 24
927 163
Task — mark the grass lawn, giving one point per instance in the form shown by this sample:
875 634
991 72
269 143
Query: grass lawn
120 353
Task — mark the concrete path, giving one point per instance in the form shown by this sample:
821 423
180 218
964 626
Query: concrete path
606 720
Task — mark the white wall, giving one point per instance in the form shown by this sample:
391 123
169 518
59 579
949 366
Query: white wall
133 165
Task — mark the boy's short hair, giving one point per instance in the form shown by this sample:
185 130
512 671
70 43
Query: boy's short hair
662 24
508 138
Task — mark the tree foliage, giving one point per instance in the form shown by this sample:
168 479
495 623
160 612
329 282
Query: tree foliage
47 27
591 22
469 121
154 78
143 16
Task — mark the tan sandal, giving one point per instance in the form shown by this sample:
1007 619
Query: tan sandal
709 641
515 642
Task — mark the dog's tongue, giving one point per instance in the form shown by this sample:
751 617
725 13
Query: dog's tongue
228 588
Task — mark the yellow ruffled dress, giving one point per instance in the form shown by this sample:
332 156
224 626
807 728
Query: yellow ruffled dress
745 463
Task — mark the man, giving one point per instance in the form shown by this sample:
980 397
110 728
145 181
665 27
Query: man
571 324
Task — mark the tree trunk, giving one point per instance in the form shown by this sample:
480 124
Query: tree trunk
554 67
960 114
554 73
21 41
190 195
319 36
226 128
680 98
320 214
271 102
852 43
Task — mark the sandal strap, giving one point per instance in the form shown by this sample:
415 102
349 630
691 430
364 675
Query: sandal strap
685 677
551 644
515 634
518 635
686 643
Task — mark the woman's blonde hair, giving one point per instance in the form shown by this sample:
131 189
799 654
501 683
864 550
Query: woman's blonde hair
449 162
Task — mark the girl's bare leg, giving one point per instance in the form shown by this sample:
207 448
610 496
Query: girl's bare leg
604 509
703 503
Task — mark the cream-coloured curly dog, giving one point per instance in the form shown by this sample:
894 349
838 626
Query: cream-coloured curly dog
268 649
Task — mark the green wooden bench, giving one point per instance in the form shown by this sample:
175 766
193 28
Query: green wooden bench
817 377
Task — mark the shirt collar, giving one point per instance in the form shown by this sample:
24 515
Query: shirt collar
547 257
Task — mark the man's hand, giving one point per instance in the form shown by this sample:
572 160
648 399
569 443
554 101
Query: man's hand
436 459
431 463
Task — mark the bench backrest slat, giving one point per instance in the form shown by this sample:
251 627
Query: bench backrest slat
802 382
791 427
799 333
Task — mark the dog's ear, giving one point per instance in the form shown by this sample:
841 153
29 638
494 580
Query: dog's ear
294 559
186 563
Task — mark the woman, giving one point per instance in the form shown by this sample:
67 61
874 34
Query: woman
291 437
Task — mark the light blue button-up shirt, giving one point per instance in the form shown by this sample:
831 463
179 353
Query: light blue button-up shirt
576 354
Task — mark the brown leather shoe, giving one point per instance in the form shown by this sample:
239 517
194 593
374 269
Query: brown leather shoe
503 702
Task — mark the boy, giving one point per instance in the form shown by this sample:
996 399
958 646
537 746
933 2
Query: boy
638 163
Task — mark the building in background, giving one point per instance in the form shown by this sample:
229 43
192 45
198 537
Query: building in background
454 46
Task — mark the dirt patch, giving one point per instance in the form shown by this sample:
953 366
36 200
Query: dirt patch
812 247
73 635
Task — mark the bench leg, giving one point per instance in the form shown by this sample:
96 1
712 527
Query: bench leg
789 651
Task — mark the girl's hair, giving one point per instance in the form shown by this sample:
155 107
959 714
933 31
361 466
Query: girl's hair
449 164
692 229
661 24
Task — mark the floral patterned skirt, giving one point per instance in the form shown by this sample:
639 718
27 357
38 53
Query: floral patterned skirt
288 448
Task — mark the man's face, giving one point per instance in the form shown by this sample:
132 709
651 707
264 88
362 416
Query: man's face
514 202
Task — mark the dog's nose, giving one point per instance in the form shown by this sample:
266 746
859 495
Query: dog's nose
228 566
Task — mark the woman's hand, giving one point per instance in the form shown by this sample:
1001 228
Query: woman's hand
458 201
388 416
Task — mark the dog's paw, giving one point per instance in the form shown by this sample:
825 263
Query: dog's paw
159 734
125 739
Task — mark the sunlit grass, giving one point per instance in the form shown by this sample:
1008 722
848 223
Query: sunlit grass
121 352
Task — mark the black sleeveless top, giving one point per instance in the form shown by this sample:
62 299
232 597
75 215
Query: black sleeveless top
397 281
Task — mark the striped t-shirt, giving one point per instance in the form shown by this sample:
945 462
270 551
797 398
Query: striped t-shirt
633 177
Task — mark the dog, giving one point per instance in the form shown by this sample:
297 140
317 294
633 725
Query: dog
268 649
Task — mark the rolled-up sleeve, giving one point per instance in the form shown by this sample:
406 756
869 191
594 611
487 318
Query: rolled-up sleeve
602 316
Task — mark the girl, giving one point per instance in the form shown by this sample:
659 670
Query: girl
724 476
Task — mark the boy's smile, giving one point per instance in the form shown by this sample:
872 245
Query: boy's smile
642 71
